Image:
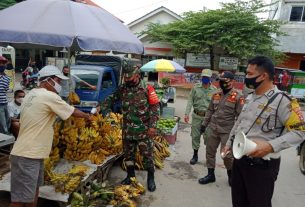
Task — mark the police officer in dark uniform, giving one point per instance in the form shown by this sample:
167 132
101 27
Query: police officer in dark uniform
274 121
222 112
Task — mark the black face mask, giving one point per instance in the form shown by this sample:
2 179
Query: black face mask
66 74
224 86
251 82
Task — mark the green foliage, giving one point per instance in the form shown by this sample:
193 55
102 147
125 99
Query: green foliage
7 3
165 81
235 30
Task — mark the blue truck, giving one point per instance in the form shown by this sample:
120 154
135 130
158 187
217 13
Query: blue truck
104 72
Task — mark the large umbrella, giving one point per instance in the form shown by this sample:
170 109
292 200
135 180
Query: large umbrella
64 23
162 65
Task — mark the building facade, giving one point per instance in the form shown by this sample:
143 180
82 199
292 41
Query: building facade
292 13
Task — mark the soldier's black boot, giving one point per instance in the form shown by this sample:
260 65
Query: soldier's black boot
210 178
130 174
229 173
194 160
151 180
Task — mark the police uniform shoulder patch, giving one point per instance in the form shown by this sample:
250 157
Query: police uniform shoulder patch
296 119
233 96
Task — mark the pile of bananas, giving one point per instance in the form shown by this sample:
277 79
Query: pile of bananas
102 195
94 141
73 98
78 140
161 151
66 182
124 195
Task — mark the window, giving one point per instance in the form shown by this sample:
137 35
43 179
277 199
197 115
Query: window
107 80
297 14
83 78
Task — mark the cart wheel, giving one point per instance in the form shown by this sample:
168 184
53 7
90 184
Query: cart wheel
302 159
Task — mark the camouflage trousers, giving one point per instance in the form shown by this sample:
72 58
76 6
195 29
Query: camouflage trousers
146 149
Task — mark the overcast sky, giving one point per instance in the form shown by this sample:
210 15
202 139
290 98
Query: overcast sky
129 10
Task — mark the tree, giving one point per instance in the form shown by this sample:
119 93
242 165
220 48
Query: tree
234 30
7 3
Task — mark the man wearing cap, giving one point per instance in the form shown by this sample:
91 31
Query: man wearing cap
223 110
4 87
38 113
274 121
199 98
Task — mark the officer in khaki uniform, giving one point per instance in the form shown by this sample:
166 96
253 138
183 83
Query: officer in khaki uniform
274 121
199 99
223 110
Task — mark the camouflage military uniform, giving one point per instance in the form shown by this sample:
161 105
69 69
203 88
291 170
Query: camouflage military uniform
138 117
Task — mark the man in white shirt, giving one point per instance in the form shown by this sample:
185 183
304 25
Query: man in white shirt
39 110
14 111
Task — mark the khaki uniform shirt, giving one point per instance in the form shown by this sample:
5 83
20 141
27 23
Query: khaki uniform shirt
199 98
223 111
282 112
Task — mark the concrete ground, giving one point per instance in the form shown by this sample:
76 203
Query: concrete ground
177 183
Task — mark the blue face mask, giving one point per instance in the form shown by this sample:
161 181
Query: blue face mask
205 80
2 68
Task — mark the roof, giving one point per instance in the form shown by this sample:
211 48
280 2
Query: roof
154 12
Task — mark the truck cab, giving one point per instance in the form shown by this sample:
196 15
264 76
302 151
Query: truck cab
104 72
101 77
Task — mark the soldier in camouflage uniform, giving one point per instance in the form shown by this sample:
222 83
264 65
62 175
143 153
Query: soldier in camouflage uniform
199 99
140 109
223 110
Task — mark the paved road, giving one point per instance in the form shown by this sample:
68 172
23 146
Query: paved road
177 183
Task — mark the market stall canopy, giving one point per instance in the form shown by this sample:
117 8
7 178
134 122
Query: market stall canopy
162 65
64 23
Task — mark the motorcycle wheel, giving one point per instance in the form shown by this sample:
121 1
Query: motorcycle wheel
302 159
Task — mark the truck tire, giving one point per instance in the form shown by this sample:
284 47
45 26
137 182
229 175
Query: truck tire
302 159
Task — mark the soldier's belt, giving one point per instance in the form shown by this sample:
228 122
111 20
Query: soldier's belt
199 113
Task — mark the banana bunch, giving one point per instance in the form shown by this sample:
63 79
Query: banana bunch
67 182
79 200
161 151
79 143
80 140
124 194
73 98
98 156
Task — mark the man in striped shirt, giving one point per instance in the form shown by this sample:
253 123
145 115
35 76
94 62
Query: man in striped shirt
4 86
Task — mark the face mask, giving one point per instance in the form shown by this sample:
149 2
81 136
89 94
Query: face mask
66 74
19 100
224 86
57 87
205 80
2 68
251 82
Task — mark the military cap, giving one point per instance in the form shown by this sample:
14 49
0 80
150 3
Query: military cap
226 75
206 72
130 69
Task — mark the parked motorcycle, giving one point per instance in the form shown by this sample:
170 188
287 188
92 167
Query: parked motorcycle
301 153
29 78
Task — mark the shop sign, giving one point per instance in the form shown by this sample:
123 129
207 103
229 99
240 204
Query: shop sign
198 60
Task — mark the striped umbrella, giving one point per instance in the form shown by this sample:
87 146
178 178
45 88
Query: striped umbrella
162 65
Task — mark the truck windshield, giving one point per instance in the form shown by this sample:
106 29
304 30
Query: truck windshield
84 78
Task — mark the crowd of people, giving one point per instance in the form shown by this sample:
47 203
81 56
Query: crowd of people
267 116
